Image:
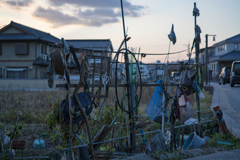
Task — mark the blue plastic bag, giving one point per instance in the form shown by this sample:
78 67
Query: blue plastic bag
156 104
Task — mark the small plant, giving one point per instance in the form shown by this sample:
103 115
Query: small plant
17 131
57 129
213 142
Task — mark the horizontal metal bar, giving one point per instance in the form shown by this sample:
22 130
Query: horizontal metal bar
32 157
124 85
110 140
174 128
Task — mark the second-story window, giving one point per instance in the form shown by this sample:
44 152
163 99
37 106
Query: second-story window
236 46
43 49
21 48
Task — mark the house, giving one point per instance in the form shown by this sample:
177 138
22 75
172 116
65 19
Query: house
24 52
202 56
97 47
223 54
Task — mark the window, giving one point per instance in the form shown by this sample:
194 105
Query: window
97 54
16 73
235 46
21 48
43 49
0 48
79 55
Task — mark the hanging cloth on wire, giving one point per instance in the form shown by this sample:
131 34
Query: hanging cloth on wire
188 90
156 104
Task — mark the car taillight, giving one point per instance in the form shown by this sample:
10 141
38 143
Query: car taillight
233 74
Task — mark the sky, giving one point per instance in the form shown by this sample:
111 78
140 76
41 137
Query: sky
147 22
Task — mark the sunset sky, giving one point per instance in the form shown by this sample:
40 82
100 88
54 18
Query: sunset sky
148 21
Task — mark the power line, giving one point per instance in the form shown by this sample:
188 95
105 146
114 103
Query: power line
142 54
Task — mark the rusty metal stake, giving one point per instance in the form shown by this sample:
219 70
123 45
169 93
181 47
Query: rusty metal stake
81 82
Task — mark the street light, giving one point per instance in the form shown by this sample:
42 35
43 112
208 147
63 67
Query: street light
207 57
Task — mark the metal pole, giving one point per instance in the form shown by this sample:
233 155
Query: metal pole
163 114
206 59
197 55
129 88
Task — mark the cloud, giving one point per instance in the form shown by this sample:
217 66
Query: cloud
86 18
55 17
86 12
16 4
97 4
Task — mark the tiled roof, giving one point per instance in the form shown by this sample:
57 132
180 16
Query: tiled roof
90 44
28 34
233 56
233 39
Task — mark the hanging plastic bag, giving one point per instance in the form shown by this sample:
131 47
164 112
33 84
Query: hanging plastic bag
188 90
198 90
157 143
156 104
185 110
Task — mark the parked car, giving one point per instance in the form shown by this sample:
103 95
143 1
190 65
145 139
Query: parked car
235 73
224 76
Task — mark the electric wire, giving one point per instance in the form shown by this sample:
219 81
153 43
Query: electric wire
142 54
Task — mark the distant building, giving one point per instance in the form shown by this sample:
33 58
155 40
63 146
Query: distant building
222 54
97 47
24 51
20 47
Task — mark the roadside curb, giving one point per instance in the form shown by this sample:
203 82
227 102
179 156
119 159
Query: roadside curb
220 99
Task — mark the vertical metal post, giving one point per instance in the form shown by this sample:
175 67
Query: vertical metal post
163 114
206 59
129 88
197 79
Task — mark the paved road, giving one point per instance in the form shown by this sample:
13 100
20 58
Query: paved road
233 94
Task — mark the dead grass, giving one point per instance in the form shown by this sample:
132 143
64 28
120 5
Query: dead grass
34 106
205 104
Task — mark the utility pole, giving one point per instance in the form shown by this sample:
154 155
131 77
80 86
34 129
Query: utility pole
207 57
206 60
189 52
197 39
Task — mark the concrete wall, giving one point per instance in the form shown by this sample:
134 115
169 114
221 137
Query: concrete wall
30 84
40 71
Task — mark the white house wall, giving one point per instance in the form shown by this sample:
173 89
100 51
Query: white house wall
230 47
214 67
